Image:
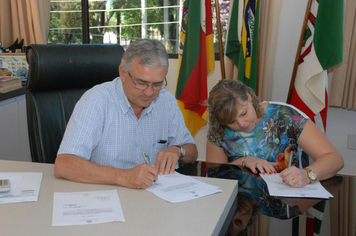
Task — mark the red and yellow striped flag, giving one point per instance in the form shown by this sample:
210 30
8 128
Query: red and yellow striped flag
196 61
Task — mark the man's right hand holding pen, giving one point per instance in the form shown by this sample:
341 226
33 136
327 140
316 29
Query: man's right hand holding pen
139 177
147 160
144 175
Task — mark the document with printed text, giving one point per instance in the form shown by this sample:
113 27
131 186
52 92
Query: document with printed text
277 188
178 188
82 208
24 187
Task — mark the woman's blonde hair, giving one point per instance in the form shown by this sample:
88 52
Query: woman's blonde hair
222 101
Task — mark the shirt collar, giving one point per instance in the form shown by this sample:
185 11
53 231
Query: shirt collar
124 102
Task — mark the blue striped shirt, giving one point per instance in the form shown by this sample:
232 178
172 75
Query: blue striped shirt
104 129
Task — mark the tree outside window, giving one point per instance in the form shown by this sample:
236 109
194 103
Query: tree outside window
123 21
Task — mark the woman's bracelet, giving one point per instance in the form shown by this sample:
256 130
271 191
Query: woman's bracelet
243 164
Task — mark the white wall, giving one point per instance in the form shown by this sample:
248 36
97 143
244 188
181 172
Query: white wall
290 26
340 122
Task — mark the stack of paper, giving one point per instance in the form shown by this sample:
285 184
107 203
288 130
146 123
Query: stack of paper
24 187
178 188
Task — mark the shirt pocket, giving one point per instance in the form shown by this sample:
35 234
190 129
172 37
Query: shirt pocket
156 148
159 145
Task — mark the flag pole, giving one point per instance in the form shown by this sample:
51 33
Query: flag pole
221 54
258 51
300 45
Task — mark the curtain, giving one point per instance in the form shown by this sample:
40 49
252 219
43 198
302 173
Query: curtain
269 21
343 209
343 84
24 19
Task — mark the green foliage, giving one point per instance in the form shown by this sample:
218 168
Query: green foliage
65 23
107 16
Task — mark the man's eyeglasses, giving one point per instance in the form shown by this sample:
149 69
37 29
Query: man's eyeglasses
144 85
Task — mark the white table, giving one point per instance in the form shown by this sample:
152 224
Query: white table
145 213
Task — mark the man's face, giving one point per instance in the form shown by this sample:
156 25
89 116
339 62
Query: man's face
141 98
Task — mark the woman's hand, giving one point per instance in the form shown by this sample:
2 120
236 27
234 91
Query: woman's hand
256 164
295 177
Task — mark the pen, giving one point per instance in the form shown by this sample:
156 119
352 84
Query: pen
146 158
147 161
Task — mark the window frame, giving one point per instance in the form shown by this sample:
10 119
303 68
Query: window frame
86 29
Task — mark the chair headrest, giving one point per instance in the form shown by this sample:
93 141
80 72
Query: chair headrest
69 66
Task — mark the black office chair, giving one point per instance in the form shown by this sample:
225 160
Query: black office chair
58 76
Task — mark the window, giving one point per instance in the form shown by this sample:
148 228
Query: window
65 22
122 21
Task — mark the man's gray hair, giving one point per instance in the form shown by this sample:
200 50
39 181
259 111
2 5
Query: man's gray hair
152 53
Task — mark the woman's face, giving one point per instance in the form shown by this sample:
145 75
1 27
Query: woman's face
241 218
246 118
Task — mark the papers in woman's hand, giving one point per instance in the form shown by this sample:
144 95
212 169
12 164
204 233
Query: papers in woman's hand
277 188
178 188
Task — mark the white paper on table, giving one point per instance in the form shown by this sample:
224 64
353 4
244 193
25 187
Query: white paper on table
82 208
178 188
276 187
24 187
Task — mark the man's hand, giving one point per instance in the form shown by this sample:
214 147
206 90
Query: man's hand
141 176
166 160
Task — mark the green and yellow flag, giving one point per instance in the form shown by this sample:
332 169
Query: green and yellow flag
242 40
196 61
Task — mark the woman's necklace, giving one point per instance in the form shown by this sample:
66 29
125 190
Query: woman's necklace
245 142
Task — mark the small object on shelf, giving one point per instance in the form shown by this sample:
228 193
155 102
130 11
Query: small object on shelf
2 50
9 83
15 45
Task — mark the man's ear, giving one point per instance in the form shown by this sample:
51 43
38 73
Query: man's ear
122 72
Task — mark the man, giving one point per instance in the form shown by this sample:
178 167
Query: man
119 127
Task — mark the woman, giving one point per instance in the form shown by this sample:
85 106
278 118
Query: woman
246 212
266 137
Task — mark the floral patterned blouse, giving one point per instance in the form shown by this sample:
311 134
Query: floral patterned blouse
274 138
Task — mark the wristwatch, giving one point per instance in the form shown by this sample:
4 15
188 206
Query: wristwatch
182 151
311 175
